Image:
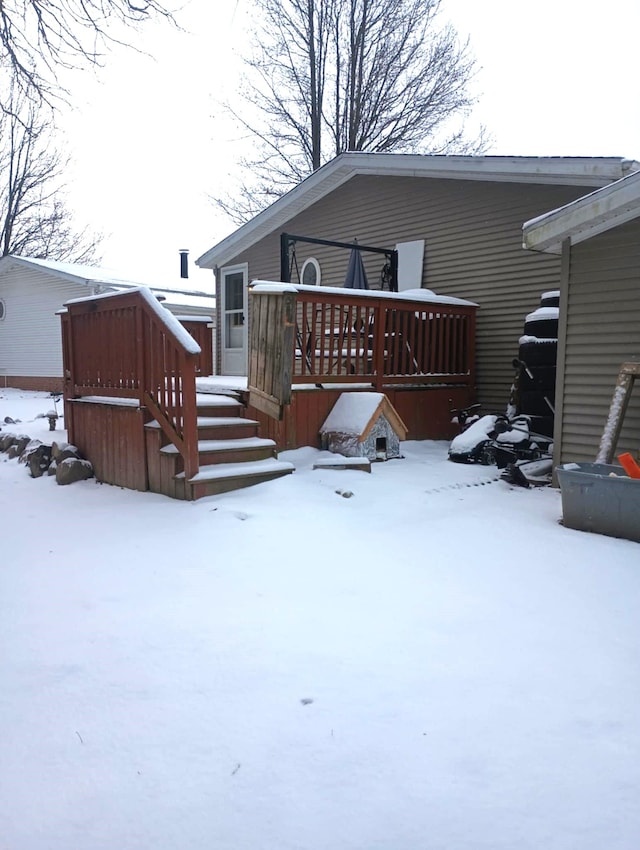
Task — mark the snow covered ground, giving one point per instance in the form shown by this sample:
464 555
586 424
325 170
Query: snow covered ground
433 662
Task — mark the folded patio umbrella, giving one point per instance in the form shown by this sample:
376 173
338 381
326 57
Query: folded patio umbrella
356 277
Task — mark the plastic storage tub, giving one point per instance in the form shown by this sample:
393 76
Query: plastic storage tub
595 500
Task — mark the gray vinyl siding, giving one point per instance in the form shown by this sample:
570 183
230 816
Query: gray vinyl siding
473 249
602 331
30 335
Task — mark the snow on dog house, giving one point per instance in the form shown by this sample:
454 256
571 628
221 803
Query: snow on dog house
363 424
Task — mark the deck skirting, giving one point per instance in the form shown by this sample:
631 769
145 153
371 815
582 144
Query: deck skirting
425 410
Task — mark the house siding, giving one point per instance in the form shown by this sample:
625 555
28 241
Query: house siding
473 249
602 331
30 335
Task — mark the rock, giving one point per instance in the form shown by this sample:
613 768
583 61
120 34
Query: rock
56 448
20 442
62 451
52 468
9 421
18 445
72 469
31 446
38 460
5 441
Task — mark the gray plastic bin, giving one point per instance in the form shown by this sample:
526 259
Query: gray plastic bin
595 500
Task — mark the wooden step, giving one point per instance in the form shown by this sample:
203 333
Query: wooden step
218 405
230 453
241 450
224 477
226 427
219 427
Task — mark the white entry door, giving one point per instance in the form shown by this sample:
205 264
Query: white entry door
233 299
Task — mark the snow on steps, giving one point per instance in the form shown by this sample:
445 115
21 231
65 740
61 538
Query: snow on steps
230 451
223 477
221 427
231 455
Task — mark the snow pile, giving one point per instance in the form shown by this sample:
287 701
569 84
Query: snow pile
474 434
434 663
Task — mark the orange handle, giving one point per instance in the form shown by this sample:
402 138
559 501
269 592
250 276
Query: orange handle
629 465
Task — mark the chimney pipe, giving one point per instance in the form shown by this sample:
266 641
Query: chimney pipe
184 262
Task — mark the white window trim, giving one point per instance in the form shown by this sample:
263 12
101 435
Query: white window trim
311 261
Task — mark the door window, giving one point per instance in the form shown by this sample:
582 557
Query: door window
234 309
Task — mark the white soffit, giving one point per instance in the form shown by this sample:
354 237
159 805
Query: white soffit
564 171
595 213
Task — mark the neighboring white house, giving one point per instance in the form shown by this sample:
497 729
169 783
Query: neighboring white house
31 294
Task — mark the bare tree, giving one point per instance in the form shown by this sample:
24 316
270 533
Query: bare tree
34 218
40 37
329 76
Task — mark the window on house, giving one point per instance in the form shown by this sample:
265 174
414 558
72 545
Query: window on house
310 274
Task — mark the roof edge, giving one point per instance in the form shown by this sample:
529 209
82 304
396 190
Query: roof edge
586 217
100 279
574 171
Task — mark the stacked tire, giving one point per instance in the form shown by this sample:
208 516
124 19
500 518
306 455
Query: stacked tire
537 353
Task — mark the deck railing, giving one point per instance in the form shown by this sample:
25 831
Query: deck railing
127 345
350 336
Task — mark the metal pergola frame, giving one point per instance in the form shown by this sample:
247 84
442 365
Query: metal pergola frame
288 240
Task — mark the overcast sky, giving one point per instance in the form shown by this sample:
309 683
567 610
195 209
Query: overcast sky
556 78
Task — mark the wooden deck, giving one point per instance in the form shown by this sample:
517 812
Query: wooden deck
131 400
309 344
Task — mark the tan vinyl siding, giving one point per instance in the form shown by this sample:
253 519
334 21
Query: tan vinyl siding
603 330
473 249
30 336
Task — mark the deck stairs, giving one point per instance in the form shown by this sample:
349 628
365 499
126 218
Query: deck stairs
231 453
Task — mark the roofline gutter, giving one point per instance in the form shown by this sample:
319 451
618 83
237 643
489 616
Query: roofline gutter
99 282
569 171
584 218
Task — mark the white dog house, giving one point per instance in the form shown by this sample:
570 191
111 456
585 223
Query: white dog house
363 424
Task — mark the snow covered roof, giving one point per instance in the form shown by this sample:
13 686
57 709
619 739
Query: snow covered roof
110 279
356 413
567 171
594 213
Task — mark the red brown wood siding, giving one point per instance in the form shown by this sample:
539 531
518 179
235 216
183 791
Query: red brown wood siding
201 331
40 384
112 436
425 412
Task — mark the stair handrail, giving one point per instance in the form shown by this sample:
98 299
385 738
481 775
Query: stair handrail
157 367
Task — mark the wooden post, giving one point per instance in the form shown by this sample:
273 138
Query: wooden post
190 414
621 394
380 322
470 352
